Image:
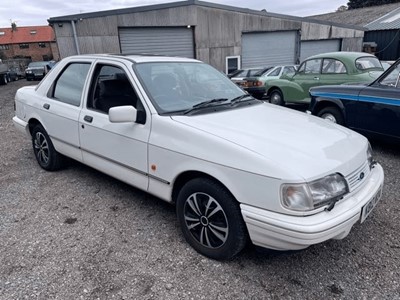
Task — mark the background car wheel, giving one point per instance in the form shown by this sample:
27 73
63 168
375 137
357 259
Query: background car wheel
4 79
276 97
332 114
210 219
47 157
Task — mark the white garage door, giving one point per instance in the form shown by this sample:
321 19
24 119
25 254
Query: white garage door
173 41
268 48
309 48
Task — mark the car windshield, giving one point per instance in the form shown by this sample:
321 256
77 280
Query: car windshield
178 86
37 64
368 63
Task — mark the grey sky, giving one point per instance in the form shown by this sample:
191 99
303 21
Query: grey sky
36 12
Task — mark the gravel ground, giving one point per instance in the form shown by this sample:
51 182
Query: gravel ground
79 234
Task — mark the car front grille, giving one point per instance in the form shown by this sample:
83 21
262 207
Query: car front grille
358 177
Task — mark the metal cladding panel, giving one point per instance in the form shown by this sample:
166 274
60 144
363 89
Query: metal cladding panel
388 42
268 48
173 41
309 48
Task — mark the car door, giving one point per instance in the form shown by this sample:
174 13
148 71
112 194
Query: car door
118 149
62 105
333 72
308 76
379 105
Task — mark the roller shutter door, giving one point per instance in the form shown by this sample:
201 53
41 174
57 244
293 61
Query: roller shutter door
173 41
309 48
268 48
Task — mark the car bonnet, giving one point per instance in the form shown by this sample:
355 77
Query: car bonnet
308 146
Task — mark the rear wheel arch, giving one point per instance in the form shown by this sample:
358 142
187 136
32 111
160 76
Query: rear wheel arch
32 124
280 99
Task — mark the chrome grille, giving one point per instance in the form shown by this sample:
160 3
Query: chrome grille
358 177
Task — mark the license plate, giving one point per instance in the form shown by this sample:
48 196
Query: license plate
367 208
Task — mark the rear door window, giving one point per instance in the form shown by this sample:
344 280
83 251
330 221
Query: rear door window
69 85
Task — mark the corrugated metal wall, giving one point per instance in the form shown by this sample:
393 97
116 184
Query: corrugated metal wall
388 43
175 41
309 48
268 48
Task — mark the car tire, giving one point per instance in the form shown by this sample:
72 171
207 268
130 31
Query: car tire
332 114
4 80
46 155
276 97
210 219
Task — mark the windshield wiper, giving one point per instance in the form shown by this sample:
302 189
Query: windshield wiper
204 104
240 98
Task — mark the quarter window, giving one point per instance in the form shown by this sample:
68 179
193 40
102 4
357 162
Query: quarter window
275 72
69 85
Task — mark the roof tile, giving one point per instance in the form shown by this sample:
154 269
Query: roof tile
26 35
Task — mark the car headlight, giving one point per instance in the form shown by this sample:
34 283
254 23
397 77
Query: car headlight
309 196
28 71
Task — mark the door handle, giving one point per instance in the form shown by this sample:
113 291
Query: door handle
88 119
316 78
46 106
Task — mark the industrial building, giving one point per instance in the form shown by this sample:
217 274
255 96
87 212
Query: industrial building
224 36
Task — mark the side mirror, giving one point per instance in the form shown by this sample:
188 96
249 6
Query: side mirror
122 114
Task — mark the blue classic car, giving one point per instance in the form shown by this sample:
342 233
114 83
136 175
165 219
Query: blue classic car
372 109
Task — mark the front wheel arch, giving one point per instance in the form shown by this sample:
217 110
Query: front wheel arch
332 113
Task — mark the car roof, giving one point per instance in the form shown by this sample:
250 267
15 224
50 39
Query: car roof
138 58
341 54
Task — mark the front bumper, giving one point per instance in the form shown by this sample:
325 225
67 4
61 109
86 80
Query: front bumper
284 232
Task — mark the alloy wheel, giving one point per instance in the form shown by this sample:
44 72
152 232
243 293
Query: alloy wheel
206 220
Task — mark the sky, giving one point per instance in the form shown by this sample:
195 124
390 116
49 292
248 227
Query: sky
36 12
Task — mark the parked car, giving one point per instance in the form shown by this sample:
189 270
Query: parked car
238 76
372 109
324 69
17 70
182 131
3 73
12 74
255 85
37 70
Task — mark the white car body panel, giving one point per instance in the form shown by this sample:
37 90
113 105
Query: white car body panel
251 150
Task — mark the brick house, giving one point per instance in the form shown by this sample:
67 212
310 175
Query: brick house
36 43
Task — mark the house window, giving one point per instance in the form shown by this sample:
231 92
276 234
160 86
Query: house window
42 45
4 47
232 64
24 46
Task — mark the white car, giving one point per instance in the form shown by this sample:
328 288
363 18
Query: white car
235 167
